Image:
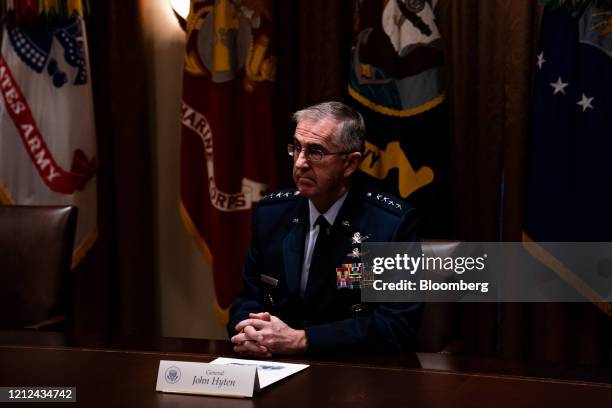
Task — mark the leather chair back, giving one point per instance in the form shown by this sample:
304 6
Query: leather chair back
438 325
35 257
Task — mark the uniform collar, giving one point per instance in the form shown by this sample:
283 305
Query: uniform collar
330 215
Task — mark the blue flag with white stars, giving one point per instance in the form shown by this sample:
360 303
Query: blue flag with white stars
569 178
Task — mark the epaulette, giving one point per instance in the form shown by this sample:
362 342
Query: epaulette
386 201
280 196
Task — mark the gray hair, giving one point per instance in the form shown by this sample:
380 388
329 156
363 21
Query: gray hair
350 131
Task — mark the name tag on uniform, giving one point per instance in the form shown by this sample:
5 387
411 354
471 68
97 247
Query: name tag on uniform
186 377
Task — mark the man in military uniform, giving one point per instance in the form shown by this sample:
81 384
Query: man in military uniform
296 297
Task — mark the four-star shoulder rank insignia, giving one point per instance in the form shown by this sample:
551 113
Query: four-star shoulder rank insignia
279 196
386 201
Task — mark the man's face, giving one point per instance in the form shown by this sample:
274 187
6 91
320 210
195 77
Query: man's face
318 179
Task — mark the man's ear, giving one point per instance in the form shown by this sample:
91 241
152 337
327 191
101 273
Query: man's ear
352 163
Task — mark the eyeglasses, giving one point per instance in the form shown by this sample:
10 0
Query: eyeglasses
313 154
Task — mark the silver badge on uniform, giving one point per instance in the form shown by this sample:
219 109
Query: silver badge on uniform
355 253
358 238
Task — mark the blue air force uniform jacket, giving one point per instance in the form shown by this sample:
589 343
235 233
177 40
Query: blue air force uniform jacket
333 319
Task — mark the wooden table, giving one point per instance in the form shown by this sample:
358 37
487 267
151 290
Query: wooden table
122 373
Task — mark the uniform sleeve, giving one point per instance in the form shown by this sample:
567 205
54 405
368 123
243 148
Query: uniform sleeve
390 326
249 299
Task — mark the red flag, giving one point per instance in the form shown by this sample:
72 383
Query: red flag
227 133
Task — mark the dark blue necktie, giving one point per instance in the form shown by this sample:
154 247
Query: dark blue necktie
318 254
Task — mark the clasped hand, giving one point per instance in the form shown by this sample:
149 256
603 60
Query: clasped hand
262 335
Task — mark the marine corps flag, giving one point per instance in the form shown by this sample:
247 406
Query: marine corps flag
47 133
569 185
396 82
227 133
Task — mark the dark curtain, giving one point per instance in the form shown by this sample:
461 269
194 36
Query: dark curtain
115 284
314 44
490 47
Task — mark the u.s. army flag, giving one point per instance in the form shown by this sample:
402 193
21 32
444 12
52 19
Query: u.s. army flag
47 134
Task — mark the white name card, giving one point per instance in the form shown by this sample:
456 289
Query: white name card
186 377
